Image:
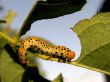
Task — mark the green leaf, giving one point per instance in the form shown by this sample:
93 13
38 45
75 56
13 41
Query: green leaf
94 35
58 79
9 70
50 9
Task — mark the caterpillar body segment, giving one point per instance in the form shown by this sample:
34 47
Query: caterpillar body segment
60 52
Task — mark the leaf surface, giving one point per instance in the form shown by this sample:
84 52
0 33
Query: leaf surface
94 35
9 70
50 9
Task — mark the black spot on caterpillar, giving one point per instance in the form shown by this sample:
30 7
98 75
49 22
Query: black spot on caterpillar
61 52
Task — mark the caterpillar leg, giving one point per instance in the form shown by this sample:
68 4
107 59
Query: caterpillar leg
59 60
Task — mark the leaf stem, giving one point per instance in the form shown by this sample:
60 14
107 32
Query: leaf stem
9 39
26 21
90 67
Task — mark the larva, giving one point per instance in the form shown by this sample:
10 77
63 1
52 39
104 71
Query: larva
61 52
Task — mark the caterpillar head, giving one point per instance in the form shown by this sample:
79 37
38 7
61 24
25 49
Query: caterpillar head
66 53
71 55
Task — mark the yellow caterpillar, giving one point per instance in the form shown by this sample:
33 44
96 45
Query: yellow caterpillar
59 52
